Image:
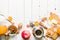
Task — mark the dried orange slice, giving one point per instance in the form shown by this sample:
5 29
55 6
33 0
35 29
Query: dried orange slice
36 23
54 18
10 18
50 18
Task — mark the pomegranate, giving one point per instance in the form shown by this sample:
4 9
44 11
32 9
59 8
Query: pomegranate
25 34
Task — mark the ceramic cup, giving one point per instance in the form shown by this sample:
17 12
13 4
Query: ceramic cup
38 32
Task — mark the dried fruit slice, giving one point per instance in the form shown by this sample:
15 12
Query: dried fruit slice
10 18
54 18
36 23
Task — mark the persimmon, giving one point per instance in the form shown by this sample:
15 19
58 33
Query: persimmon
3 29
58 30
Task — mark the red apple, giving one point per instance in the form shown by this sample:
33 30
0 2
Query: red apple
25 34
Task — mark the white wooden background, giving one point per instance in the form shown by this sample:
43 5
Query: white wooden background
28 10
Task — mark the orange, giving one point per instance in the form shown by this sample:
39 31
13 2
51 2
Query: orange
3 29
58 30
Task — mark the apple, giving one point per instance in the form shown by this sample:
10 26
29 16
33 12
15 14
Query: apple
25 34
